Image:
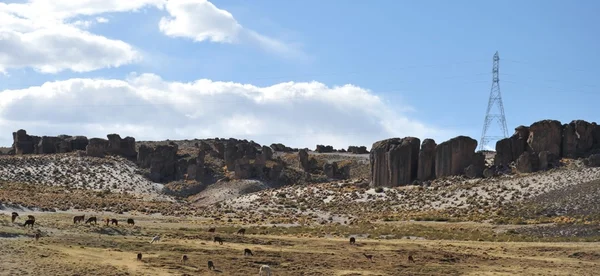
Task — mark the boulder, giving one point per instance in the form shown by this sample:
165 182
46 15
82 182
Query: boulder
545 135
329 169
281 147
97 147
324 149
358 149
596 136
124 147
454 155
426 166
509 149
528 162
477 166
394 161
593 160
577 139
78 143
488 173
548 160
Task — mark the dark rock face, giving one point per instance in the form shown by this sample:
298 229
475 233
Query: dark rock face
358 149
477 167
49 145
124 147
23 143
303 158
324 149
577 138
509 149
528 162
97 147
426 166
548 160
545 135
394 161
332 171
161 160
596 136
281 147
454 155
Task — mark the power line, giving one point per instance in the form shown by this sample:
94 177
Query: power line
495 99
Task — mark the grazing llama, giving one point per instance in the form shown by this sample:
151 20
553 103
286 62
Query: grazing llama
91 219
155 239
370 257
139 256
77 219
130 221
241 231
13 216
211 230
352 240
264 269
248 252
29 222
115 222
218 239
184 259
211 266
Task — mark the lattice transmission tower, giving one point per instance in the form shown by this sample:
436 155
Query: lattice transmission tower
495 100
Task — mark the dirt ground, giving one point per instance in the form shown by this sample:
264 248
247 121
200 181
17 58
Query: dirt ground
84 249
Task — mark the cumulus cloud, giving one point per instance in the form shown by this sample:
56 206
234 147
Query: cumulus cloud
201 20
150 108
40 35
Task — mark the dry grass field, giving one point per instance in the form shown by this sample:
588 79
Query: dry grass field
438 248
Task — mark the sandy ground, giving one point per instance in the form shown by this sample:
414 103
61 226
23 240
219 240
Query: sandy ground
83 249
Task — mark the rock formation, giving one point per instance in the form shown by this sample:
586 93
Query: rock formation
324 149
577 138
454 155
394 161
426 166
358 149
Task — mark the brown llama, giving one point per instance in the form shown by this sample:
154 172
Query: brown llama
370 257
248 252
130 221
139 256
211 266
218 239
115 222
77 219
29 222
30 217
411 259
211 230
13 216
184 259
352 240
241 231
91 219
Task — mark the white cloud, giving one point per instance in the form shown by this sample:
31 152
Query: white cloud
149 108
38 34
200 20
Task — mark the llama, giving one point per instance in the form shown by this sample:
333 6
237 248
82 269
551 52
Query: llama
139 256
155 239
13 216
370 257
218 239
211 230
352 240
130 221
211 266
264 269
91 219
115 222
30 217
29 222
77 219
248 252
241 231
411 259
184 259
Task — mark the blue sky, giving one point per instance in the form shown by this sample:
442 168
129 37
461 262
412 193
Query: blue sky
429 62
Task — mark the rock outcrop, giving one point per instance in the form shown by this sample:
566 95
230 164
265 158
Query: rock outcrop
545 135
394 162
24 143
124 147
509 149
454 156
358 149
97 147
426 166
332 171
161 160
281 147
577 138
324 149
477 166
528 162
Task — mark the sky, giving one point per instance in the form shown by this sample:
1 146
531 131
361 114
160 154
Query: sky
295 72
